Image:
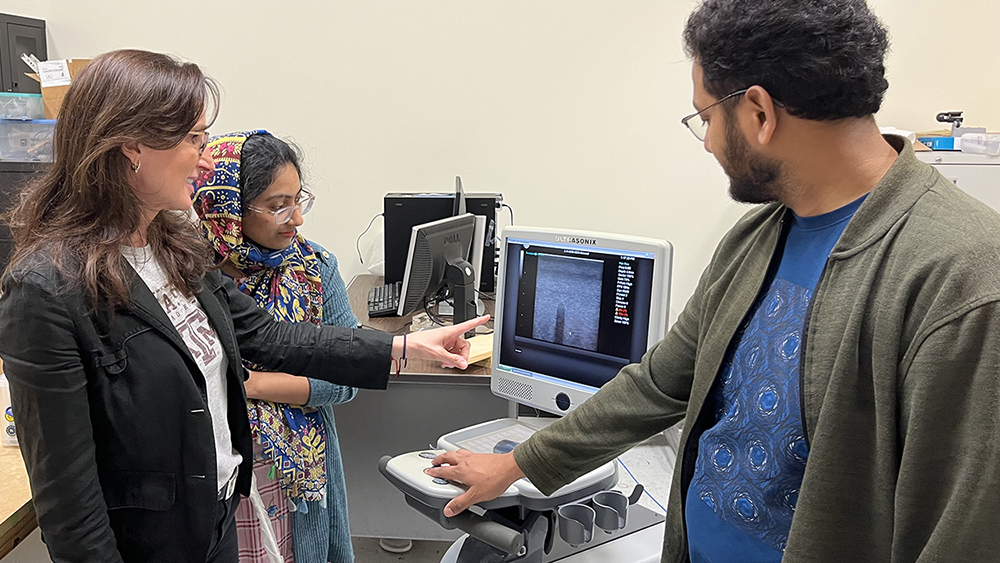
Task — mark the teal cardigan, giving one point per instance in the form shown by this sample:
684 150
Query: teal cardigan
323 534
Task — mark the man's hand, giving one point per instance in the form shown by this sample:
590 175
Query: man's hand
486 475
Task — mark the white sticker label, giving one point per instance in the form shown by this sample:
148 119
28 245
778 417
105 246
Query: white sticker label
53 73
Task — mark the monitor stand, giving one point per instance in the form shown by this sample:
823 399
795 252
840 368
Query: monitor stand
461 281
445 308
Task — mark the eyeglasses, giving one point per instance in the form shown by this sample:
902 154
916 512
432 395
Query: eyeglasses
284 215
199 139
700 127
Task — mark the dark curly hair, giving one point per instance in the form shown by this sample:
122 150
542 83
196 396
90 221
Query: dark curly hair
822 58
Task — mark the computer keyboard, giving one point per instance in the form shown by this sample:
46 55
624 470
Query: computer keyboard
383 300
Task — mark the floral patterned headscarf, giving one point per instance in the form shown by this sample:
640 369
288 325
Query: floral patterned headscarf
286 283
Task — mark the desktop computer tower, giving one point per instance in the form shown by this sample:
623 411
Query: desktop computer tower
486 205
402 211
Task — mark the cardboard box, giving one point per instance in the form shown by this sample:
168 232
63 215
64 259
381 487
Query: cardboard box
55 79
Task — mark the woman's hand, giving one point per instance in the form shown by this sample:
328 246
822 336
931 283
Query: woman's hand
444 345
277 387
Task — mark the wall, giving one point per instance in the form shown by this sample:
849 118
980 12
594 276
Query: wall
569 108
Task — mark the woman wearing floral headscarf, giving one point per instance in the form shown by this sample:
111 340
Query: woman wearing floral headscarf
249 211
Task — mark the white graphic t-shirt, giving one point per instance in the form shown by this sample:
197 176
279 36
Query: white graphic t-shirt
191 322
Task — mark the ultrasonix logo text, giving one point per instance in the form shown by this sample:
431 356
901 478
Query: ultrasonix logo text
577 240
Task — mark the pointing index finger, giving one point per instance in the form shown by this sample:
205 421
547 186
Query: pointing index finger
472 323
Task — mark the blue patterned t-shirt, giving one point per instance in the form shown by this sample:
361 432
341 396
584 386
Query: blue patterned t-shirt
750 463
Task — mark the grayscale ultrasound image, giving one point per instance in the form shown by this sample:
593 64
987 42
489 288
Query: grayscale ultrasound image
568 301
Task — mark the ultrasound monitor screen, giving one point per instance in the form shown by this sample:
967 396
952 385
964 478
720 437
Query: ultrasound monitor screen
567 307
579 314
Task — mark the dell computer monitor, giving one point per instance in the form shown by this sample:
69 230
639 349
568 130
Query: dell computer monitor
439 258
573 308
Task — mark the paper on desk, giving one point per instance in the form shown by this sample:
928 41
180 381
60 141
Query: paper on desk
900 132
481 348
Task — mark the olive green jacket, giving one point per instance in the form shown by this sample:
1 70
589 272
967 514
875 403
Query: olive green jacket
900 380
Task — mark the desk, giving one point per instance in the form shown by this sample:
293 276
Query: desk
423 403
17 514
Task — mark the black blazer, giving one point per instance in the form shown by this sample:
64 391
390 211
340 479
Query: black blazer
112 414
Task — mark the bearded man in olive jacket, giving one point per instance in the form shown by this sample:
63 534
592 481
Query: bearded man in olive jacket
838 365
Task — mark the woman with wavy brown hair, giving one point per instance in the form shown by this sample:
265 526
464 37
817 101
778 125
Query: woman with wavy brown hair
124 346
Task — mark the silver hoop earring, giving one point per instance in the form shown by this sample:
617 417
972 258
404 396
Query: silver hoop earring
135 166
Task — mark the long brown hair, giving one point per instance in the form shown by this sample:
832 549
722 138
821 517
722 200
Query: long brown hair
83 209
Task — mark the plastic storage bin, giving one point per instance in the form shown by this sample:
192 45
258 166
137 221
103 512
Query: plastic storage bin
26 140
981 143
14 105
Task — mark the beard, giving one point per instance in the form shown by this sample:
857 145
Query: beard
753 178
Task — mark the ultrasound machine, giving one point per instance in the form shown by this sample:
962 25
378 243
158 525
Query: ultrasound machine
573 308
